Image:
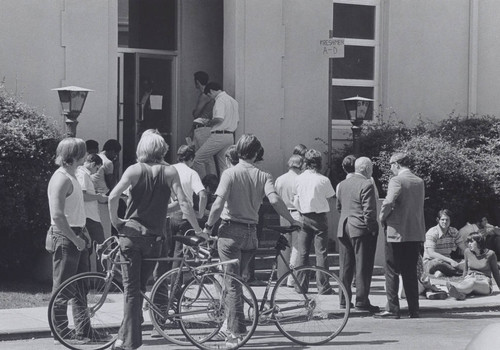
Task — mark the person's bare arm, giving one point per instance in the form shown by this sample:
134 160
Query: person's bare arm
202 203
435 255
281 208
129 178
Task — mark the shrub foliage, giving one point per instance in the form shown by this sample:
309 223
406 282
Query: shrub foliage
458 158
27 148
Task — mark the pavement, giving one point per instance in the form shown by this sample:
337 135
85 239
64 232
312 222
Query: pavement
30 323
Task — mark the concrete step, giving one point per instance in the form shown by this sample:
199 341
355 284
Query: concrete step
265 257
263 274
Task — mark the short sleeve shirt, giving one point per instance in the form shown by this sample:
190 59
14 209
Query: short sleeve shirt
91 209
313 190
226 108
285 187
244 187
190 181
442 242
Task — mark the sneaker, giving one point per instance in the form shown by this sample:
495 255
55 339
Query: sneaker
452 290
441 295
232 341
72 338
155 334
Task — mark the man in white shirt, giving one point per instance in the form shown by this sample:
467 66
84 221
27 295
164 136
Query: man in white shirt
93 222
285 186
224 122
313 191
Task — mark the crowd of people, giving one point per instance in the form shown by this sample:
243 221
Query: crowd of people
218 186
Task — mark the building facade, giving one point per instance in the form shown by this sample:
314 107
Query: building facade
416 59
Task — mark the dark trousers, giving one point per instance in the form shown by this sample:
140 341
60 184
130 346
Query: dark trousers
357 255
315 228
401 259
135 275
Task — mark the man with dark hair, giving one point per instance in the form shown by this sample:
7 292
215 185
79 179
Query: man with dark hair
202 114
223 124
313 192
357 231
231 156
402 216
239 195
92 146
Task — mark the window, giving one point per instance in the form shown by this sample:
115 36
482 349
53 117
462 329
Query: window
147 24
356 73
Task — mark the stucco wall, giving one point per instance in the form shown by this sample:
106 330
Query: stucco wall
488 71
201 33
426 59
57 43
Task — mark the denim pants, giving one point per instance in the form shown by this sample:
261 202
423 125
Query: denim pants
236 241
68 261
135 275
315 228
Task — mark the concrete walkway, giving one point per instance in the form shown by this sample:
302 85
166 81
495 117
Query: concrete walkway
32 322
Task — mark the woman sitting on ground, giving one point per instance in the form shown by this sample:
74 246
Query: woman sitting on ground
480 266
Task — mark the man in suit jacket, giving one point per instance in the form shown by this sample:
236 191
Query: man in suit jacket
357 232
402 215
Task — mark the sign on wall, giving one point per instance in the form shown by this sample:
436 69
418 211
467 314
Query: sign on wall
332 48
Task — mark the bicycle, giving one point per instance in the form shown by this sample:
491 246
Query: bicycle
306 314
198 307
303 313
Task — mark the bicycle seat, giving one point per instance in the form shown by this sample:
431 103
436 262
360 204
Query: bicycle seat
191 241
283 229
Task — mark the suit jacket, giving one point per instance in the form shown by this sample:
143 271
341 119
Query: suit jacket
357 204
402 212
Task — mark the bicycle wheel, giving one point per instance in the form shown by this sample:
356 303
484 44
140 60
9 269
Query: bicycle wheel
314 317
86 311
168 327
211 315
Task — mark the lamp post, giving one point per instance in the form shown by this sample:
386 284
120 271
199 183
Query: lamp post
72 100
356 109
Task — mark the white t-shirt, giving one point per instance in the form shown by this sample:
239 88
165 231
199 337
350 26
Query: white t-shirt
91 209
190 181
312 191
99 177
285 186
226 108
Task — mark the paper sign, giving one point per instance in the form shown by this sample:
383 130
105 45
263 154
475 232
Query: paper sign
155 102
333 47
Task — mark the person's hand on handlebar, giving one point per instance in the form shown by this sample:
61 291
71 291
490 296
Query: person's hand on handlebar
202 234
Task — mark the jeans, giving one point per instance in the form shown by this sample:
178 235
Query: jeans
236 241
433 265
135 275
68 261
315 228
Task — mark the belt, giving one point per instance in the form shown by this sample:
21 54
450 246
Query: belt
196 126
222 132
231 222
292 210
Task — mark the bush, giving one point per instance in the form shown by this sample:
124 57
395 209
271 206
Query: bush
27 148
458 158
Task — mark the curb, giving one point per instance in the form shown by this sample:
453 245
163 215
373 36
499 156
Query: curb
45 333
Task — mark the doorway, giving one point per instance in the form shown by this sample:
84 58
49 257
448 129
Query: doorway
146 99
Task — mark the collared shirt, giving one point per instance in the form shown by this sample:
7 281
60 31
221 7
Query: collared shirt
244 187
190 181
99 177
442 242
312 191
285 187
83 177
226 108
467 230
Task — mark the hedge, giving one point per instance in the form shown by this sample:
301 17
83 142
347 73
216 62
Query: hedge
28 141
458 158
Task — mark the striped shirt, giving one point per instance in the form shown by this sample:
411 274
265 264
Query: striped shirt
442 242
